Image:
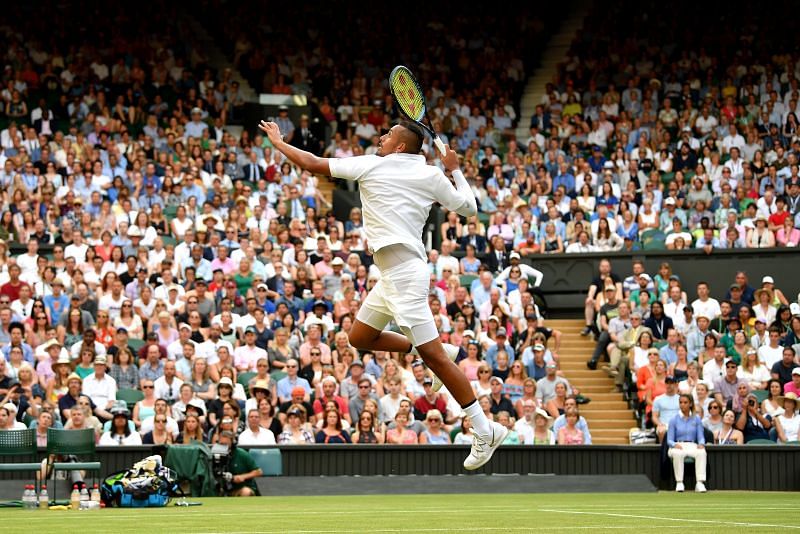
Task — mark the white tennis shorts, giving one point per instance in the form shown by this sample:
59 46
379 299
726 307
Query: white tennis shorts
401 294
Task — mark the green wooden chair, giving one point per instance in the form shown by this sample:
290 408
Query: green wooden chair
277 375
760 394
19 443
135 345
466 280
130 396
269 461
61 443
244 380
761 442
170 211
169 240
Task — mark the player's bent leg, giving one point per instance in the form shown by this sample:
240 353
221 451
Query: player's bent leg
365 337
488 434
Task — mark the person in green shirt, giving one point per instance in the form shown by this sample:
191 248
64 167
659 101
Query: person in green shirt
243 468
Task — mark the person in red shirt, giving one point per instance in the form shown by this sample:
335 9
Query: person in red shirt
329 394
776 219
14 284
431 400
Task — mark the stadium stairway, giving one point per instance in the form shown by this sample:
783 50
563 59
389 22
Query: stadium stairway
218 60
554 53
607 414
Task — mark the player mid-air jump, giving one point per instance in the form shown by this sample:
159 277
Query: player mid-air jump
397 191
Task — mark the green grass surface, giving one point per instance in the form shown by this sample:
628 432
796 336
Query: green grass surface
653 512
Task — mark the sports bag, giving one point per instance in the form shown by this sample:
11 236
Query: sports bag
147 484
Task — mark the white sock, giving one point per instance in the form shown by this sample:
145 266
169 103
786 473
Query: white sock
480 423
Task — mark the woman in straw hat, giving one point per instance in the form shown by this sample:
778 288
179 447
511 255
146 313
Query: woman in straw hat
62 367
787 425
542 431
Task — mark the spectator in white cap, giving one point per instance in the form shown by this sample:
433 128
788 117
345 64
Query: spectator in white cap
196 126
794 385
500 402
527 271
333 280
778 298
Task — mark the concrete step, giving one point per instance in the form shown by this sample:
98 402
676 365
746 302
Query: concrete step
590 413
608 424
604 405
603 395
575 376
613 433
593 390
592 381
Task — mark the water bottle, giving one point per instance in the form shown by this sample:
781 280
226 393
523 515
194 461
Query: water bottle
44 499
95 494
31 503
75 498
26 497
84 494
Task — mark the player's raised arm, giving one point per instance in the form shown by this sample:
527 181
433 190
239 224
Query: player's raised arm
461 199
301 158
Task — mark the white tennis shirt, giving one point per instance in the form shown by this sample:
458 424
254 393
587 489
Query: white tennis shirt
397 192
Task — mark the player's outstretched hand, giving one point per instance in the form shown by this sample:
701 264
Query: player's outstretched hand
450 159
272 131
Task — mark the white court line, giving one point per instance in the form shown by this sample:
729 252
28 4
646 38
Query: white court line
196 513
450 529
677 519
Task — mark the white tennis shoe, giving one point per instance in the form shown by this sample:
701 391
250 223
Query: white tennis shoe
482 450
452 353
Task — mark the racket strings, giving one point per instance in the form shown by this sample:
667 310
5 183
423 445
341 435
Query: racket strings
408 96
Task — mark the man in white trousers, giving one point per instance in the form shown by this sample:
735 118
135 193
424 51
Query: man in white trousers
397 191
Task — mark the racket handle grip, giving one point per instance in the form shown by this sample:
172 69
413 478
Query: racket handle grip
439 145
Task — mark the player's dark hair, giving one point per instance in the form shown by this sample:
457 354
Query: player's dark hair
413 142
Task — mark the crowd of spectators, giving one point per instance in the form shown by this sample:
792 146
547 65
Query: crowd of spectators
205 272
179 284
735 356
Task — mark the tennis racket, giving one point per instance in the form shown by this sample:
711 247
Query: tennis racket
409 98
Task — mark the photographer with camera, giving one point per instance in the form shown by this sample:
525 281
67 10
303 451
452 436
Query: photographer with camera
234 470
752 423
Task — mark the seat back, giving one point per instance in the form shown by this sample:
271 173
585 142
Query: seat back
278 375
269 461
760 442
130 396
760 394
70 441
244 380
18 442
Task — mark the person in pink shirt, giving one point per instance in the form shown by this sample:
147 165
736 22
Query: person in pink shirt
222 261
794 385
246 356
323 268
787 235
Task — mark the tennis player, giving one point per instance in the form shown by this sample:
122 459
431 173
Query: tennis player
397 191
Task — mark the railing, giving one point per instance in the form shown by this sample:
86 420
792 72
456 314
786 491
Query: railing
749 467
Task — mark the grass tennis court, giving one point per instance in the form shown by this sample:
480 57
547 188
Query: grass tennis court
712 512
